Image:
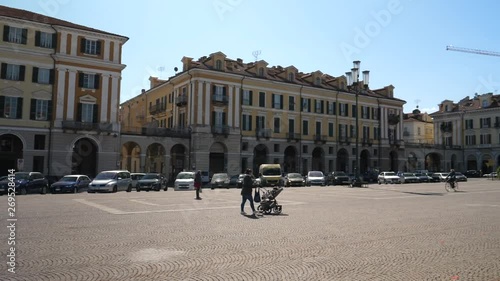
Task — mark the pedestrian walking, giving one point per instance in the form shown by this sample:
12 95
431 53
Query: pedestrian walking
197 184
246 192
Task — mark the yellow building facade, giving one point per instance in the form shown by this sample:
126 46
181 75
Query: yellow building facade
236 115
59 95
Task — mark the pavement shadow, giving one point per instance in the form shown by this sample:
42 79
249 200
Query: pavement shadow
252 217
424 193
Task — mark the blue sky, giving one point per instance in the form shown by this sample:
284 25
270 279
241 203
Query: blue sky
401 42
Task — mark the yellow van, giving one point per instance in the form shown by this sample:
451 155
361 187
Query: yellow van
270 175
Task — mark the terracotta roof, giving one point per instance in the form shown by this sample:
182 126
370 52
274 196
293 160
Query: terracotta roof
34 17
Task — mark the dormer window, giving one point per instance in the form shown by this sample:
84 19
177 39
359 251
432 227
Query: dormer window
317 82
485 103
446 108
291 76
218 64
261 72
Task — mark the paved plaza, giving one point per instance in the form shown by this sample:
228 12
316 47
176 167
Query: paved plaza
383 232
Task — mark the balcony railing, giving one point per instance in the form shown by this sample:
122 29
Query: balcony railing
320 138
87 126
220 99
157 132
344 140
293 136
157 108
220 130
181 100
366 141
263 133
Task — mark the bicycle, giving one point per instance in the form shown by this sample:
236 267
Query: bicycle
448 186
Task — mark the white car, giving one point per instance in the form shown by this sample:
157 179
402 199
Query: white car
111 181
184 181
315 178
388 177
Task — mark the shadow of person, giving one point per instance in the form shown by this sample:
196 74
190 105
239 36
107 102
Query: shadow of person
251 216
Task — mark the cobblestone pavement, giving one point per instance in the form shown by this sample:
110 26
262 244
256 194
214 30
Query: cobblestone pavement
383 232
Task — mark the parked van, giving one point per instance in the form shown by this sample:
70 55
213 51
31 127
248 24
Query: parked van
270 175
111 181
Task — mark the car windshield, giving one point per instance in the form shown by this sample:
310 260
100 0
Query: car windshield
219 176
408 174
444 174
458 174
69 178
21 176
150 177
105 176
294 175
136 177
272 172
340 174
390 174
185 176
315 174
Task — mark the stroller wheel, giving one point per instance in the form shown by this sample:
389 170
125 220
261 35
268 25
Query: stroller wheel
277 210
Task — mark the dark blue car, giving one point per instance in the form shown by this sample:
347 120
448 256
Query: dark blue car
25 182
71 183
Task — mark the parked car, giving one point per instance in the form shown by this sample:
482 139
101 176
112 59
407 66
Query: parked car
220 180
439 176
26 182
111 181
205 177
370 176
424 177
408 178
460 177
388 177
472 174
242 176
152 181
338 178
234 181
315 178
135 177
71 183
294 179
184 181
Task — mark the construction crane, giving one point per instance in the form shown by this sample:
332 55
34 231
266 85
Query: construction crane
474 51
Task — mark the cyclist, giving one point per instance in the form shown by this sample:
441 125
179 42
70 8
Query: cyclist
452 178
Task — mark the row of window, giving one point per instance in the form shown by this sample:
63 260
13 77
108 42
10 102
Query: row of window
483 123
483 139
47 40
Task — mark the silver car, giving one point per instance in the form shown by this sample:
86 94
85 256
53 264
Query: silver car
111 181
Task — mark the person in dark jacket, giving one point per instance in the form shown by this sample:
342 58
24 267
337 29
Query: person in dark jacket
452 178
197 184
246 192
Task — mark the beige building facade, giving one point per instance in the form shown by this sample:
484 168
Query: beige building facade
59 95
224 115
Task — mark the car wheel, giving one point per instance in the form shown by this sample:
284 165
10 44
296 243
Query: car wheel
129 189
166 188
44 190
115 189
90 191
138 189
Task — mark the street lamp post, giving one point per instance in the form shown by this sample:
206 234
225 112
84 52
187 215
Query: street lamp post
353 84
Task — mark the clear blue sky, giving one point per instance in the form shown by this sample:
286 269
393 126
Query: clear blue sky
401 42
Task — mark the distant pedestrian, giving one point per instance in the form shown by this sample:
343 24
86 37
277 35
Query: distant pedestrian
246 192
197 184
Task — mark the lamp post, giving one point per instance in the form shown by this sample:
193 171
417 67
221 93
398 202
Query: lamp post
353 84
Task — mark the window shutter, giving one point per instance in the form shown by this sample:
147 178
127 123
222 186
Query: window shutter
37 38
80 79
213 118
22 71
368 113
82 45
98 47
480 122
2 104
3 73
309 105
241 96
301 104
272 98
6 30
79 112
19 108
281 101
33 109
322 106
214 90
224 118
354 110
97 81
49 110
24 36
34 77
51 76
334 106
54 40
346 109
95 113
224 91
249 122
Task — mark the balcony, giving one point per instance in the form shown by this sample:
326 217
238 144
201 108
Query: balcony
344 140
220 99
497 124
446 127
157 132
87 126
292 136
181 100
366 142
393 119
157 108
263 133
320 138
220 130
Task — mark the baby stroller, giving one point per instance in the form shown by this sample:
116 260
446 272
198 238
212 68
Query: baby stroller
268 203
